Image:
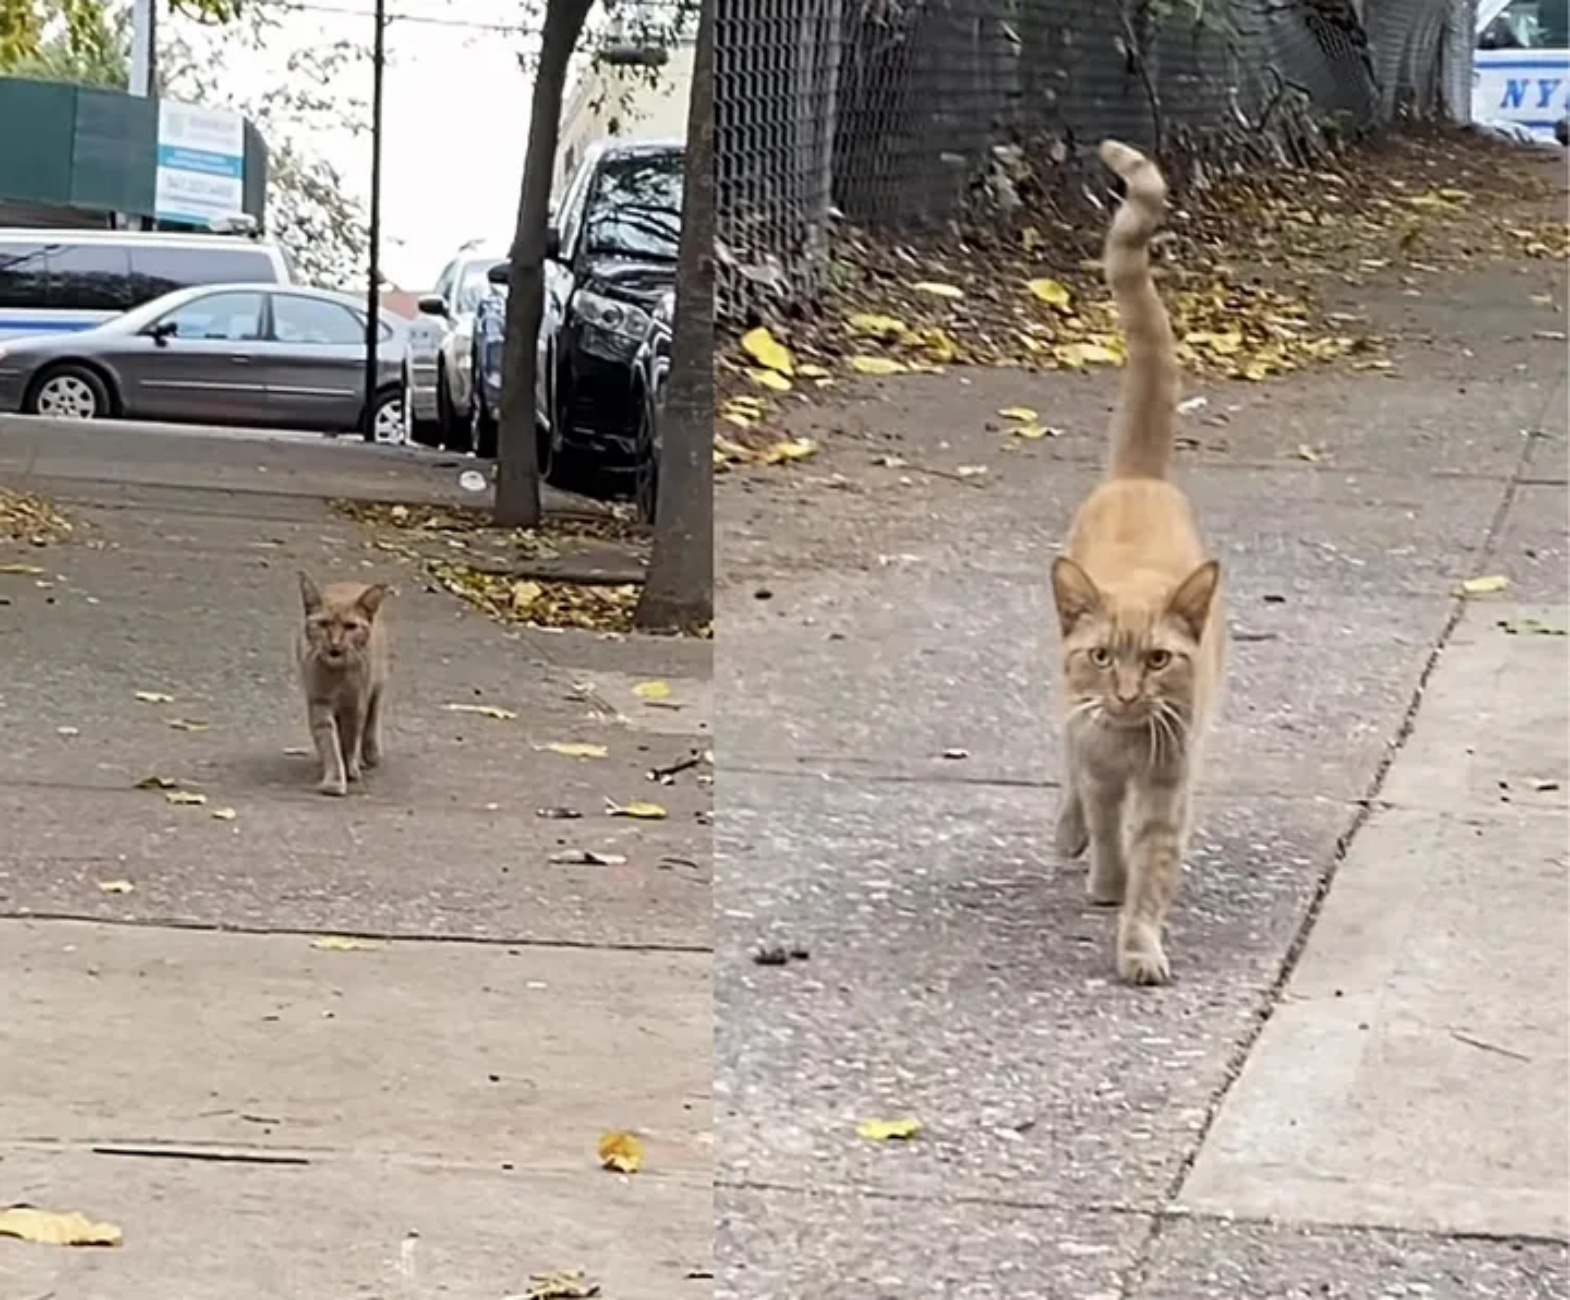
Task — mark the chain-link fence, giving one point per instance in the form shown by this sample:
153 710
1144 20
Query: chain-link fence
901 114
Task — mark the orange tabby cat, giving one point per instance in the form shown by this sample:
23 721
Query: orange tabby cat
342 653
1140 610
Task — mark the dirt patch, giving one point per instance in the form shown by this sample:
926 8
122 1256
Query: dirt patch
575 571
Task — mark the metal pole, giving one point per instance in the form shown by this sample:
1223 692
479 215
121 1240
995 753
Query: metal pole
144 61
373 296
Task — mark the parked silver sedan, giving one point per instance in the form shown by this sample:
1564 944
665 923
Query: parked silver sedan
272 356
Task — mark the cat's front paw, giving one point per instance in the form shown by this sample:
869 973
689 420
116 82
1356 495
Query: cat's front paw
371 757
333 785
1144 962
352 771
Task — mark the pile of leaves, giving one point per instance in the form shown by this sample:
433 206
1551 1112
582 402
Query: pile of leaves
464 553
27 517
540 604
1242 265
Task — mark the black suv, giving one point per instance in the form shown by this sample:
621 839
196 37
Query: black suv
610 260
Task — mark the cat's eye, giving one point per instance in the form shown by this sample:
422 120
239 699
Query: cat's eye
1100 656
1156 660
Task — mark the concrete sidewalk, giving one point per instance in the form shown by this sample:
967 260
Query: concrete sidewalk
879 619
417 1116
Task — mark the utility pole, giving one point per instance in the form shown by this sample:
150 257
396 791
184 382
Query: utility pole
144 60
373 297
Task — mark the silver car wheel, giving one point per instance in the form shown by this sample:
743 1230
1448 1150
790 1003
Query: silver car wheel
66 397
390 424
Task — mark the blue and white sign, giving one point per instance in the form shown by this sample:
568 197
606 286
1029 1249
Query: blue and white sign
201 163
1529 89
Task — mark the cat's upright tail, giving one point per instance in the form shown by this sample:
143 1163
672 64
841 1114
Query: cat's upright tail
1143 423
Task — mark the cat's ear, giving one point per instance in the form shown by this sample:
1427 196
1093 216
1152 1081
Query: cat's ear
310 593
371 599
1074 592
1190 603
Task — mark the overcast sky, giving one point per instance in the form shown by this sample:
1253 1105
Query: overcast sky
456 118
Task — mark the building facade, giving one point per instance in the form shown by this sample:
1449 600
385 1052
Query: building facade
628 103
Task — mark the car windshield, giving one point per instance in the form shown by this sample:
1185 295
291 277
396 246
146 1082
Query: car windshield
635 206
472 288
1528 25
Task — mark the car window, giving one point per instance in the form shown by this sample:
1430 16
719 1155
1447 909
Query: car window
472 287
156 271
444 281
570 212
1529 25
24 274
229 317
314 321
90 277
634 208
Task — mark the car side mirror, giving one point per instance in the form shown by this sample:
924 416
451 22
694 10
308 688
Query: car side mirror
431 304
553 243
501 273
162 331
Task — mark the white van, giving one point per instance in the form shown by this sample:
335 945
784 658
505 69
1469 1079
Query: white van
63 280
1521 66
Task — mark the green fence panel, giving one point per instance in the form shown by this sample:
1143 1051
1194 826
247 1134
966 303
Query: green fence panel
113 151
37 122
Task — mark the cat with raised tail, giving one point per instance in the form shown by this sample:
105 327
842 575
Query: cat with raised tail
343 659
1140 611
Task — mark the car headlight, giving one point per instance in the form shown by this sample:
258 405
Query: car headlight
609 315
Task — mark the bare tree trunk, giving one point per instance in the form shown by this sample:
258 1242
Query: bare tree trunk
517 468
678 593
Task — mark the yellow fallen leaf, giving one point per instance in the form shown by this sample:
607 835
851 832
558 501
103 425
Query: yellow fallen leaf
1051 292
29 570
1311 454
1023 413
652 690
116 886
185 724
576 749
875 325
771 379
971 471
768 351
185 797
1223 343
864 365
889 1130
727 450
637 808
522 594
154 697
484 711
1486 586
572 1285
1032 431
790 449
157 783
1078 355
223 814
737 418
621 1152
344 943
938 290
813 371
48 1229
746 403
